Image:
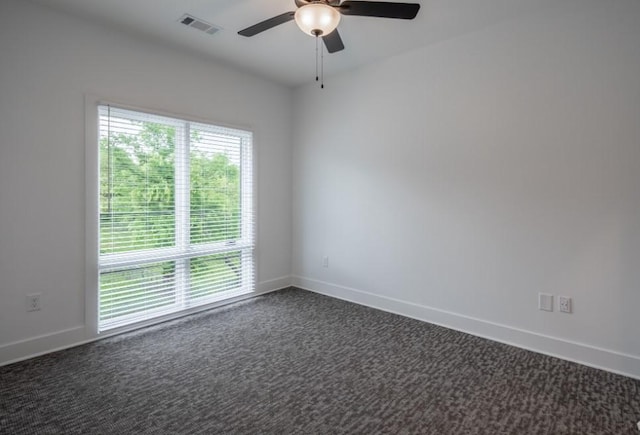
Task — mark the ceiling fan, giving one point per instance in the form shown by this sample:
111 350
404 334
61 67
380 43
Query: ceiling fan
320 18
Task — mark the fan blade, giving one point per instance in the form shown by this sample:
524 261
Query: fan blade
333 42
405 11
267 24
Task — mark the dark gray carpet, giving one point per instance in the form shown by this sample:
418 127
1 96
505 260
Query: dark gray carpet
296 362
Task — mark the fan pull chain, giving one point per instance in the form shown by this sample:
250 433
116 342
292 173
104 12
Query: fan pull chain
317 58
321 66
321 57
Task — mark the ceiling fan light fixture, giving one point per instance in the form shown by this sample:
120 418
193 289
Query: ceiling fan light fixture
317 19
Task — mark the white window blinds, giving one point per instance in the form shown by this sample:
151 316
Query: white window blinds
176 215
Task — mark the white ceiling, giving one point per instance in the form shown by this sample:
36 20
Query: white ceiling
285 54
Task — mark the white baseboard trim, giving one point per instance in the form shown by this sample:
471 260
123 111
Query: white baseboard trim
273 284
592 356
35 346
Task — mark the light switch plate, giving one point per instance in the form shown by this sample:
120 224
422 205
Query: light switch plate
545 301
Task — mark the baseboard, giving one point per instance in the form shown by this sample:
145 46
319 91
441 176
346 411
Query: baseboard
76 336
273 285
36 346
592 356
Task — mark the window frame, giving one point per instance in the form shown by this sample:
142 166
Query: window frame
92 225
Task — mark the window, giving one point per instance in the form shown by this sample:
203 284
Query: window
176 215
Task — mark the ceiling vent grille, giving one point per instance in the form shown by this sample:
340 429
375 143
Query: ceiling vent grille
198 24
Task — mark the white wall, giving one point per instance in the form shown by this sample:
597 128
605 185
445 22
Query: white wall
451 183
47 62
454 182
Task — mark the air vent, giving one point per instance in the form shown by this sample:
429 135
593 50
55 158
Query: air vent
198 24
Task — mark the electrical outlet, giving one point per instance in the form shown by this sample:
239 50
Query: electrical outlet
564 304
33 302
545 302
325 261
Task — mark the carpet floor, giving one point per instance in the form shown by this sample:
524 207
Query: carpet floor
293 362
